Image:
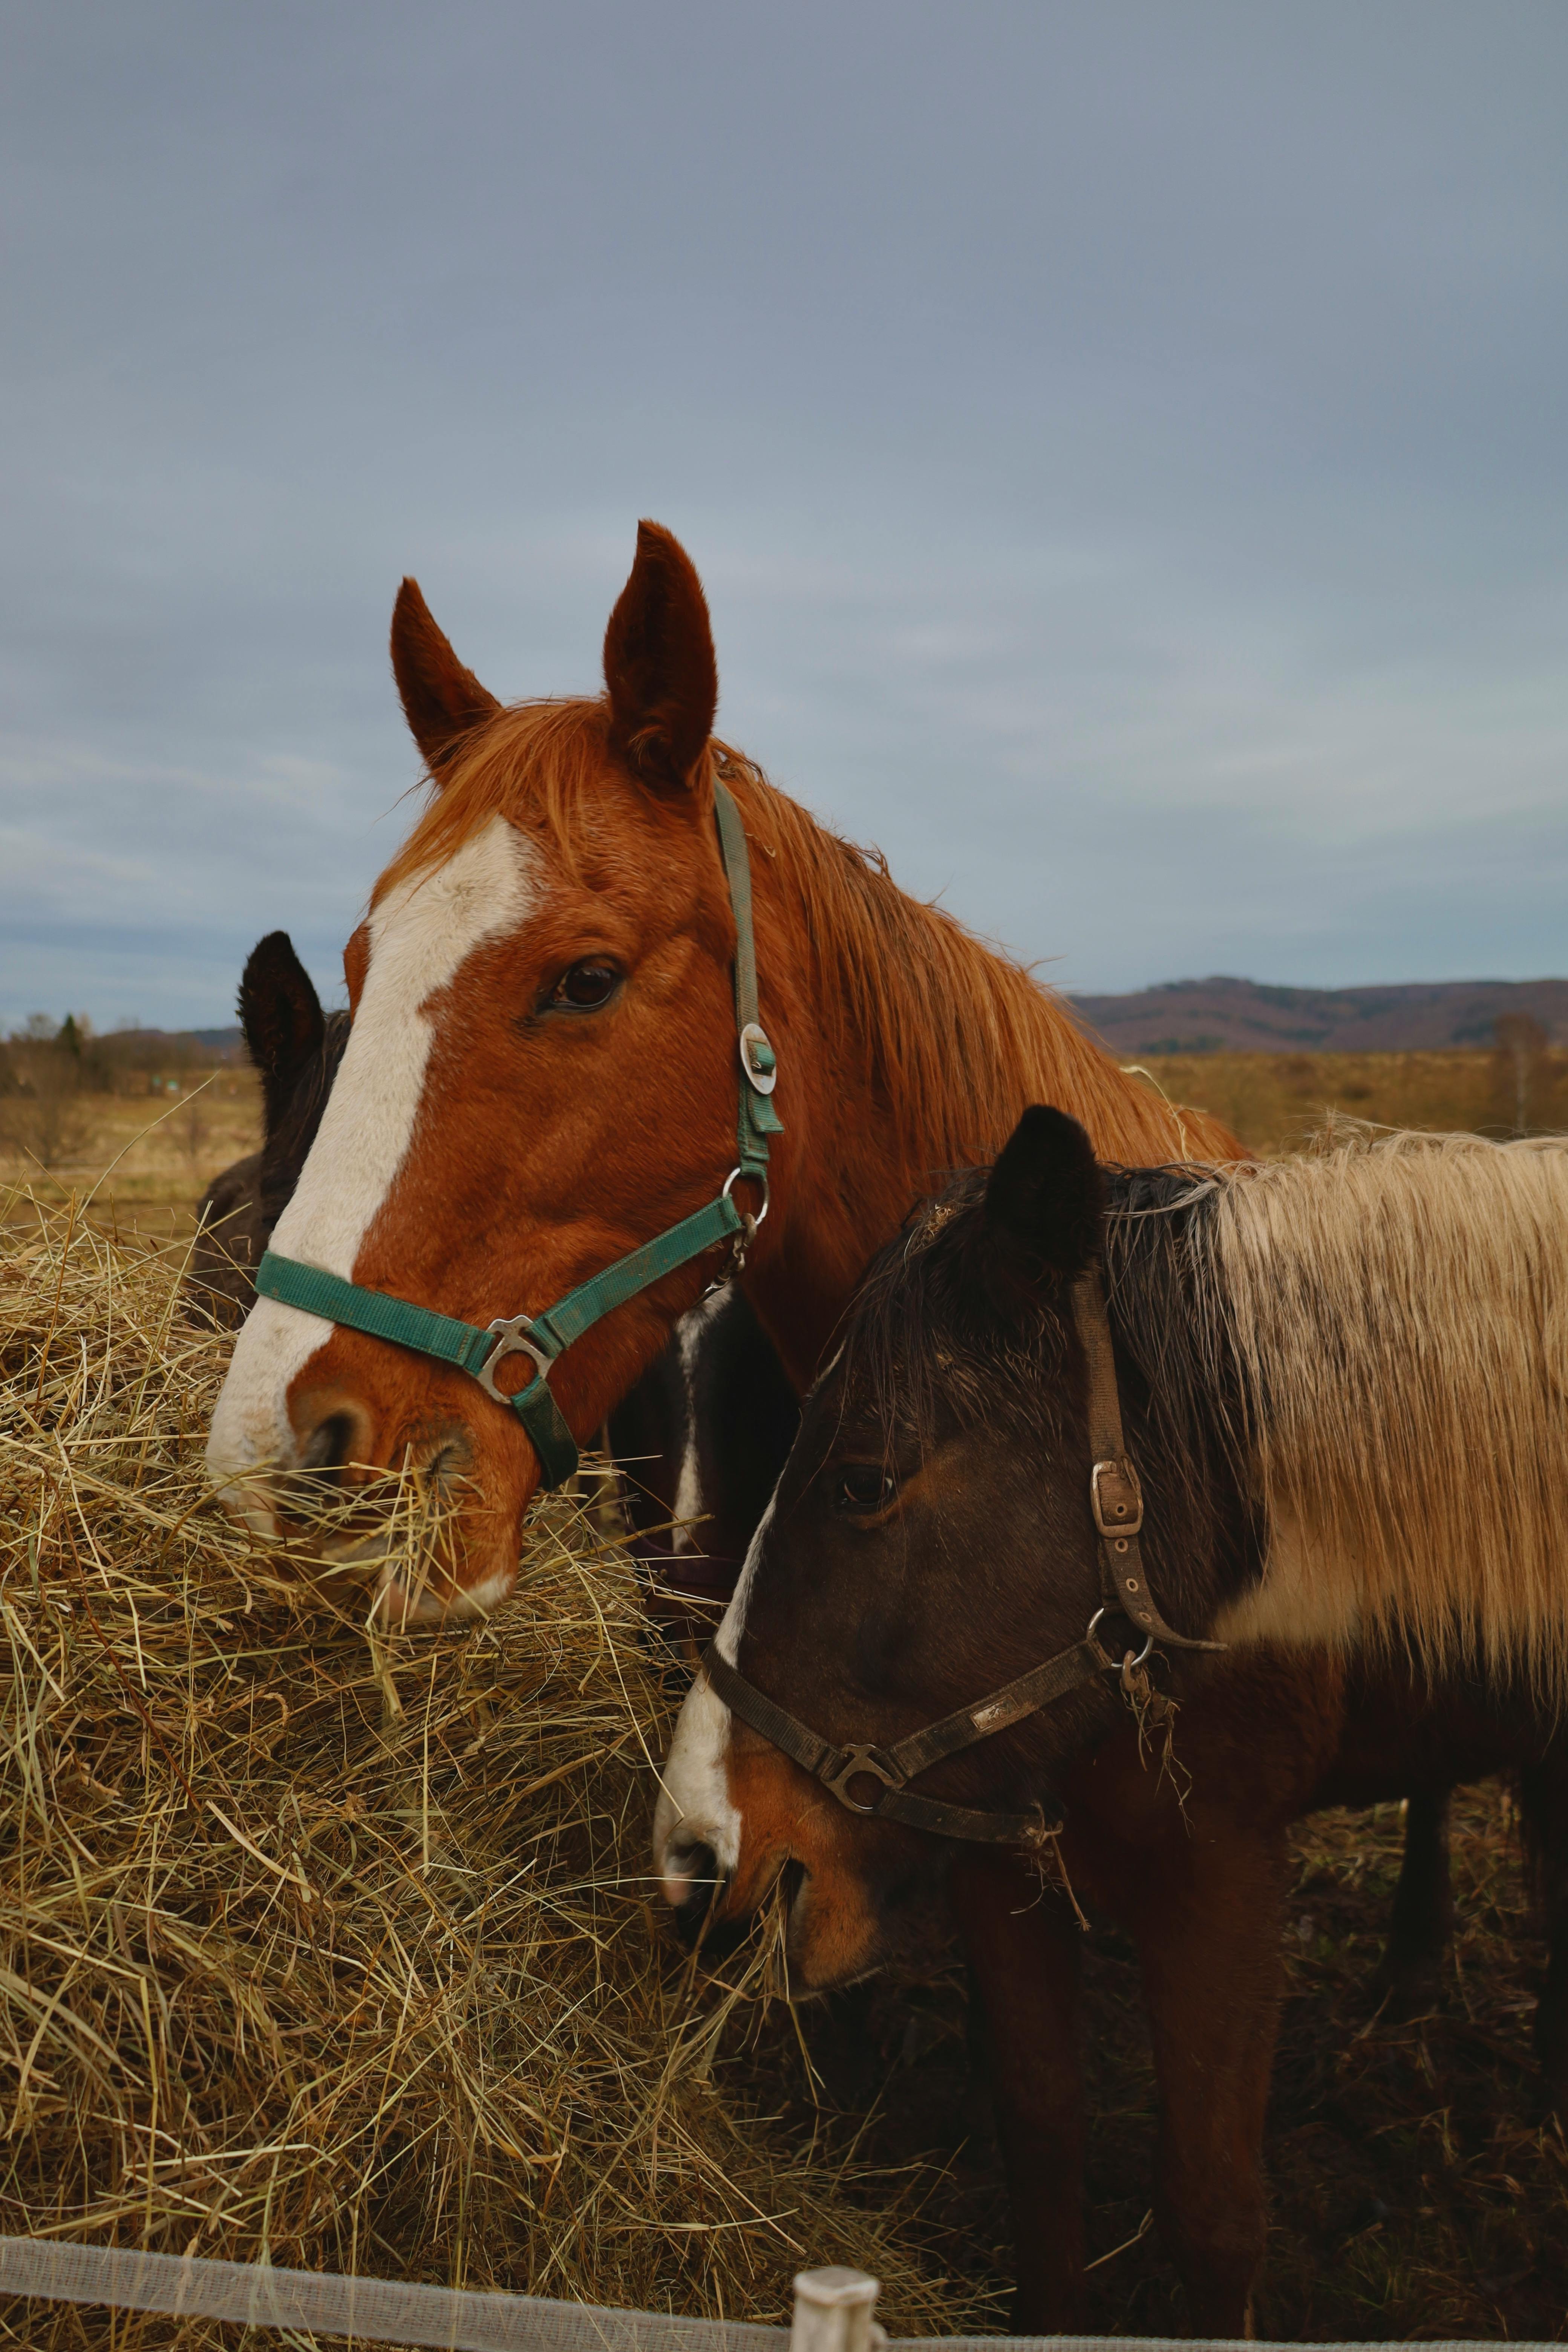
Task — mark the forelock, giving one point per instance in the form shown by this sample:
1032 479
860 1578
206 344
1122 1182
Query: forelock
948 1325
952 1321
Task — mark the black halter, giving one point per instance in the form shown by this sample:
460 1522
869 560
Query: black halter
1116 1501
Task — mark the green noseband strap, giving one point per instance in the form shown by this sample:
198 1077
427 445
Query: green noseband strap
479 1350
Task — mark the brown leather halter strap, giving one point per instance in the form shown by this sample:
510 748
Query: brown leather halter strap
1116 1501
1115 1496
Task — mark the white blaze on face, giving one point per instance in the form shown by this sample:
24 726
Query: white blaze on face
419 937
694 1807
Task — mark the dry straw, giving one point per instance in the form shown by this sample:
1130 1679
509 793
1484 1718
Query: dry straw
339 1950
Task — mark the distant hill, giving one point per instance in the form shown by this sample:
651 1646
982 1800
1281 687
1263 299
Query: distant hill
1242 1016
139 1046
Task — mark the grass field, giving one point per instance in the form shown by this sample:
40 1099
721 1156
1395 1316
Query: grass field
174 1145
1272 1101
160 1151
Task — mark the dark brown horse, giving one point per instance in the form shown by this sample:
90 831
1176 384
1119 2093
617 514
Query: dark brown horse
931 1539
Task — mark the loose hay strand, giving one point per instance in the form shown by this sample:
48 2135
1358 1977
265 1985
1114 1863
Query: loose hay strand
299 1966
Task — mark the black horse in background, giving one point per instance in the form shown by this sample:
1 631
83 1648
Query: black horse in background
295 1048
699 1443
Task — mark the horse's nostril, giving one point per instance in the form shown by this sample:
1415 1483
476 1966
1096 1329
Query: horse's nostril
331 1445
692 1883
327 1447
450 1466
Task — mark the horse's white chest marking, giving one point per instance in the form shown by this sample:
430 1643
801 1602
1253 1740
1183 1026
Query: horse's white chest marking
420 935
694 1808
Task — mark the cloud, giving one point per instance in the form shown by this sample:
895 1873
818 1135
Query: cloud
1123 447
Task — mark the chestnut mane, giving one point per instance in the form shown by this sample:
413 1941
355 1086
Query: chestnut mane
952 1037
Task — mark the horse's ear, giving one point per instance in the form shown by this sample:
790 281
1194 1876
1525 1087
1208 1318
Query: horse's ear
442 701
1045 1192
281 1017
660 667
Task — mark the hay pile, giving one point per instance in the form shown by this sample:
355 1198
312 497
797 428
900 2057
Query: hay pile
343 1952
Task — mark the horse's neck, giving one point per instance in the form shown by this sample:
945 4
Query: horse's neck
849 1168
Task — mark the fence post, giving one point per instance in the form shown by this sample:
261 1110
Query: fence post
833 2311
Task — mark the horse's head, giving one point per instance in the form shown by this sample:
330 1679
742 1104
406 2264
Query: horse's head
929 1542
542 1076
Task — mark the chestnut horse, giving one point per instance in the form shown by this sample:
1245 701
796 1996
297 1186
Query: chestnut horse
542 1074
931 1539
699 1440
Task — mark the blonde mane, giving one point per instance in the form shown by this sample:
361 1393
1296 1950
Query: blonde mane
1398 1308
952 1038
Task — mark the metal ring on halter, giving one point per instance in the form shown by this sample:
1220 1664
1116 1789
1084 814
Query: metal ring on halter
861 1757
1114 1665
513 1333
754 1176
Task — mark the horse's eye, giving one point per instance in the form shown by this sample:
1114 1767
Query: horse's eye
863 1486
586 986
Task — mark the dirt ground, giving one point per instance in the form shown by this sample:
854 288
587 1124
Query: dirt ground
1415 2190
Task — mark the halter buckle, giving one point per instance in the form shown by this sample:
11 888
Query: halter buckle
514 1336
850 1763
758 1059
1116 1497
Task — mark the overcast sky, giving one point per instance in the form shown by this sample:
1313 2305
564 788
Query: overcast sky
1125 447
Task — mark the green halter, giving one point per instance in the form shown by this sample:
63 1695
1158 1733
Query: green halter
545 1337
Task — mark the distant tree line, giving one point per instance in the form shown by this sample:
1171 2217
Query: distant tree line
49 1068
70 1055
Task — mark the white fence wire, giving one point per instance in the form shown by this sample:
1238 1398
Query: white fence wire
832 2310
373 2310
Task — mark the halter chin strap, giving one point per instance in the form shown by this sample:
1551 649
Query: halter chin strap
1116 1503
481 1350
